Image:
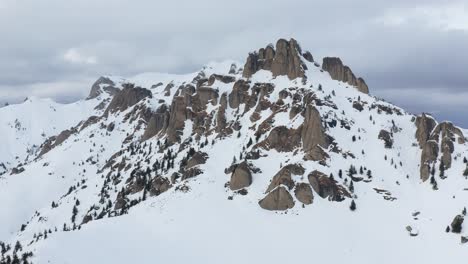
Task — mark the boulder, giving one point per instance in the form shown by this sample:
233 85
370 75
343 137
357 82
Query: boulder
277 200
241 177
283 177
303 193
338 71
326 187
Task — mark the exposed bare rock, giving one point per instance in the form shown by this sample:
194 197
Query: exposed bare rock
233 69
326 187
197 159
103 84
127 97
282 139
313 135
203 96
157 122
428 157
358 106
177 117
277 200
239 94
387 137
424 126
308 56
283 177
457 224
221 114
54 141
221 78
447 129
191 173
343 73
285 60
303 193
159 185
241 177
167 89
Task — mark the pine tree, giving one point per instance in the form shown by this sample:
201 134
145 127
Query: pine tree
447 229
340 174
351 187
352 206
464 211
442 169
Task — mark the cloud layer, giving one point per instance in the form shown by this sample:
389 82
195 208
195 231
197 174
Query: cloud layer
412 52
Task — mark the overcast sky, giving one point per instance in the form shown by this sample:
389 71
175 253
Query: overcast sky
413 53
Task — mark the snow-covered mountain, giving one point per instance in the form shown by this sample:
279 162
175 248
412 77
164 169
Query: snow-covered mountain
280 159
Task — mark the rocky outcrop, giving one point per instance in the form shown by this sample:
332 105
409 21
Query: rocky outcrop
457 224
282 139
277 200
241 177
103 84
313 135
157 122
447 130
303 193
159 185
424 126
177 117
326 187
428 157
197 159
54 141
239 94
285 60
387 137
127 97
203 96
221 121
338 71
221 78
283 177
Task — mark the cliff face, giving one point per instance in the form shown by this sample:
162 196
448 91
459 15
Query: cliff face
338 71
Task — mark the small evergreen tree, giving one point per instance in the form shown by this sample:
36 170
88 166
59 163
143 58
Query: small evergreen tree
352 206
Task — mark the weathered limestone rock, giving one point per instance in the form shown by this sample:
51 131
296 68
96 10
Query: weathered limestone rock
203 96
277 200
424 126
457 224
343 73
313 136
239 94
326 187
386 137
447 129
428 156
177 119
282 139
303 193
221 78
127 97
103 84
157 122
241 177
285 60
221 121
284 176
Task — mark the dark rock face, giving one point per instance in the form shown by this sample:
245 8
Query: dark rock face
285 60
239 94
277 200
358 106
241 177
203 96
127 97
303 193
283 177
103 84
428 157
221 78
343 73
326 187
221 121
386 137
425 124
457 224
54 141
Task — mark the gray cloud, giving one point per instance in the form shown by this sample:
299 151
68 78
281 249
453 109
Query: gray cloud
56 48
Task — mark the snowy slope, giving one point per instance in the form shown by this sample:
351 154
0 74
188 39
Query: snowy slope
200 219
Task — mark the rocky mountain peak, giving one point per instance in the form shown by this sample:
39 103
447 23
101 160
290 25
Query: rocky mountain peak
285 59
102 85
340 72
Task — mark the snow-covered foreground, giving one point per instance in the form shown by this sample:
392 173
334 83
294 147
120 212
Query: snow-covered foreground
113 192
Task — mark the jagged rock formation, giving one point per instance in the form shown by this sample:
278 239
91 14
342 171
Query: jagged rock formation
127 97
283 177
103 84
277 200
313 135
158 122
338 71
428 158
286 59
424 124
